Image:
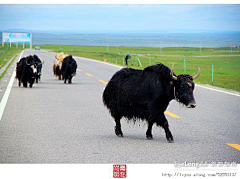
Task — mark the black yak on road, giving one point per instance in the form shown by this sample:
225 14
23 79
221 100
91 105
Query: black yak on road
38 63
145 94
26 71
68 70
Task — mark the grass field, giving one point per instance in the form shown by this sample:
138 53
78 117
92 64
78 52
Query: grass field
226 67
5 57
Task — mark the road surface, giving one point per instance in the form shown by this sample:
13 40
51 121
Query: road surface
60 123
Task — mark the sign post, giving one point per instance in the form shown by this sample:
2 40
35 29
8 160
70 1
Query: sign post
9 38
31 40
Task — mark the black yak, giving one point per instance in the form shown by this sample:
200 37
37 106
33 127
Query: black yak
68 70
38 63
26 71
145 95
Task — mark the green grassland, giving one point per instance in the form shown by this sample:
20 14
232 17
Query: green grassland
10 52
226 68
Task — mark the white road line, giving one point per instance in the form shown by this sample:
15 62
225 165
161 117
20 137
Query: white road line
221 91
7 92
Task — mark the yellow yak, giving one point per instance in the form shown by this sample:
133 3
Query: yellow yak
57 66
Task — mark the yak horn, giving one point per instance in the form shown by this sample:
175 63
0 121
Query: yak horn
197 75
172 75
41 63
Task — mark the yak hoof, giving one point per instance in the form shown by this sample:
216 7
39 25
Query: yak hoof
170 139
149 137
118 132
120 135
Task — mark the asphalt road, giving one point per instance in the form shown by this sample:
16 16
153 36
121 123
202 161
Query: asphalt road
60 123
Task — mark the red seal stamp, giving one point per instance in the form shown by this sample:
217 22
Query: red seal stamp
119 171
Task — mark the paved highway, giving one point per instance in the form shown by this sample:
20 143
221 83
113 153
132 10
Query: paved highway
60 123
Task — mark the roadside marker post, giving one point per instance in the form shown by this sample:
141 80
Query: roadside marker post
138 61
130 57
185 71
212 72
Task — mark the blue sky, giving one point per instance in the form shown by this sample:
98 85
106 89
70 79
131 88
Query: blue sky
158 18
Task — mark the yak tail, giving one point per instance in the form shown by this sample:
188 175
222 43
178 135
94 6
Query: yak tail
110 95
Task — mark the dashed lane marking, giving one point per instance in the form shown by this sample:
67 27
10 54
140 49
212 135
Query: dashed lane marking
79 70
104 82
88 74
236 146
171 114
48 56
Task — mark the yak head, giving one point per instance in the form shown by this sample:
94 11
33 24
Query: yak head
183 88
30 62
38 64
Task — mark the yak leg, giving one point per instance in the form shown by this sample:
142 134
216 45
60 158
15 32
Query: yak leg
149 131
167 131
70 80
160 119
25 84
118 130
